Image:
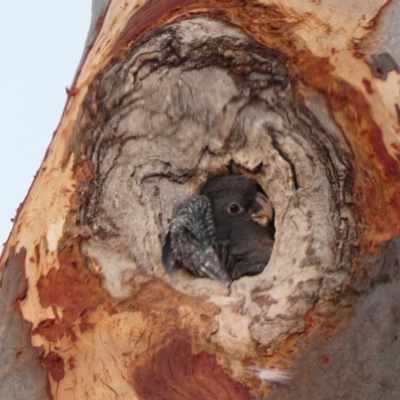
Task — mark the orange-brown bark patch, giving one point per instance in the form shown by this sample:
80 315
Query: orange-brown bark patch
249 15
82 172
73 289
368 86
54 364
145 17
175 373
163 308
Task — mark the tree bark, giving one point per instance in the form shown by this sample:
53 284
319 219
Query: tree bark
301 97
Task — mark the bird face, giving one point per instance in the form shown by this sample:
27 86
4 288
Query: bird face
237 202
259 209
243 218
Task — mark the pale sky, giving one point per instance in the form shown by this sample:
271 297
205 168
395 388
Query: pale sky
41 43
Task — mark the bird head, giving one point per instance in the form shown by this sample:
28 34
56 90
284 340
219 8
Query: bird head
237 200
243 217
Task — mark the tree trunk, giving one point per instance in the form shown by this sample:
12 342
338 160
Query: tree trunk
299 96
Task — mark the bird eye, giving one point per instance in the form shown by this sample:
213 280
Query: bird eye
234 209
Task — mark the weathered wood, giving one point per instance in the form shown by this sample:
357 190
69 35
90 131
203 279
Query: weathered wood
187 102
301 98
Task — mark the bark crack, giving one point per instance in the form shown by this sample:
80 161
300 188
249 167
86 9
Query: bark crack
188 102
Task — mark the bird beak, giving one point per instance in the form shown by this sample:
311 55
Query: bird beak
262 211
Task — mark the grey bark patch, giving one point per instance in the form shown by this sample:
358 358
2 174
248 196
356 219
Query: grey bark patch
362 361
21 375
382 64
384 37
197 98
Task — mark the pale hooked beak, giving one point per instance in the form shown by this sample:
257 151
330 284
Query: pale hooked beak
262 211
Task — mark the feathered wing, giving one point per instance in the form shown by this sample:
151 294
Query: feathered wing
166 257
190 241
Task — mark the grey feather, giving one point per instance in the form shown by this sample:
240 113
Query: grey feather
209 240
191 239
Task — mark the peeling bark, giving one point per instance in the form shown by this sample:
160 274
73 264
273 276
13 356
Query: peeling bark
21 375
300 99
199 98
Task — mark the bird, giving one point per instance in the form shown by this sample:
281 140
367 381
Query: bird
224 233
